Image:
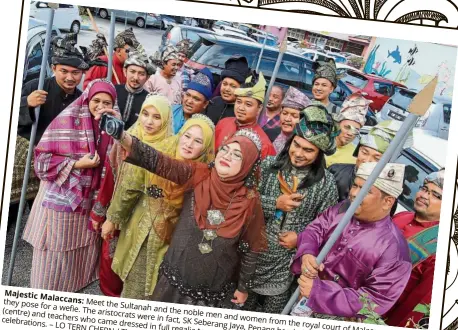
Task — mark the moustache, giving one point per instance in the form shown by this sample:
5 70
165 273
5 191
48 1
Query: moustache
67 81
424 201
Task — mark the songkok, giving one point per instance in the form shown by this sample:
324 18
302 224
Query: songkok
318 127
436 178
257 92
354 108
390 180
295 99
326 70
236 68
65 53
97 46
381 135
126 37
139 59
202 82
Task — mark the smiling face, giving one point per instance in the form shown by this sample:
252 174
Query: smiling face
151 120
100 101
228 161
428 202
191 143
289 117
136 76
302 152
246 109
170 68
321 89
67 77
228 86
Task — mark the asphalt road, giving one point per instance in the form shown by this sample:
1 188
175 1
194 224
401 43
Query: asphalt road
150 37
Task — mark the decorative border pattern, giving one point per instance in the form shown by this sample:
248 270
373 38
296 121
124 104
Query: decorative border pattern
433 13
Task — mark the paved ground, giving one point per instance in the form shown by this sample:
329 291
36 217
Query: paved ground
150 37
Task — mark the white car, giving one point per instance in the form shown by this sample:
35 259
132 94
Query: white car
66 17
425 156
435 122
315 55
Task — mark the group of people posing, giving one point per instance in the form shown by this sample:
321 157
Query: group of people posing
207 199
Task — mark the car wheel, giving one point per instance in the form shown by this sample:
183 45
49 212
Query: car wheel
103 13
75 27
140 22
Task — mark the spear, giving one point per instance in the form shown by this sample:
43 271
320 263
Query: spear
94 25
41 80
417 108
111 48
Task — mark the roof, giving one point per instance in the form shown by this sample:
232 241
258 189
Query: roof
193 28
226 40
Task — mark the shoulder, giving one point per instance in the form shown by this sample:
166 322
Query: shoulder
328 178
339 168
119 87
267 162
395 245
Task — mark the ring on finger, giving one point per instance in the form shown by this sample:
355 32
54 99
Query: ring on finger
305 270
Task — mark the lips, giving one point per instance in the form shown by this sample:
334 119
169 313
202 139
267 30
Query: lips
223 163
421 202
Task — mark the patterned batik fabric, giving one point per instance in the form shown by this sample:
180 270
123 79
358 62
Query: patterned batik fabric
273 276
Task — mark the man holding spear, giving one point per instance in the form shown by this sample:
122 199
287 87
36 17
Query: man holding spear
370 257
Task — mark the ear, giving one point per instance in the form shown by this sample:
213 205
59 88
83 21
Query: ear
389 202
54 68
206 104
125 71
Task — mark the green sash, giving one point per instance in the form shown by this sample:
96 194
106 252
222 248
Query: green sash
423 244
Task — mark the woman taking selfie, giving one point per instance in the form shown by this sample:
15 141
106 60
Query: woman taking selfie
147 207
69 161
220 231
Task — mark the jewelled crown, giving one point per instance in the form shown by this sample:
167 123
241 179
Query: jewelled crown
204 118
252 135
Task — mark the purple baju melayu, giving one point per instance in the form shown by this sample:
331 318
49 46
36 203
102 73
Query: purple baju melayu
371 258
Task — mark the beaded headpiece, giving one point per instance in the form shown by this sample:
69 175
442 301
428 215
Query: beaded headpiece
252 135
204 118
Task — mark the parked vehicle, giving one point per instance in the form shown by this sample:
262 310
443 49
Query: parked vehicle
338 57
212 51
34 50
315 55
174 34
343 68
133 17
229 29
66 17
427 155
373 87
218 24
331 49
271 40
435 122
233 35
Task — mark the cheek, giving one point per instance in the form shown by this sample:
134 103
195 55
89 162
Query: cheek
197 151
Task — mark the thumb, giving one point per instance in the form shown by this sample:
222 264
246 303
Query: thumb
296 195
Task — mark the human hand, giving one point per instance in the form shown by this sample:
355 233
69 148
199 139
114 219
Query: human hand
108 229
239 298
288 240
305 285
36 98
309 266
88 161
108 111
288 203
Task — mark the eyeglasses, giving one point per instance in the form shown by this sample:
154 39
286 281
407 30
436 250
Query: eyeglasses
426 190
234 154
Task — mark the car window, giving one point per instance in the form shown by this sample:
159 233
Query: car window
383 88
289 72
401 99
355 79
34 59
308 78
413 180
338 96
447 113
198 49
309 55
217 55
191 35
65 6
